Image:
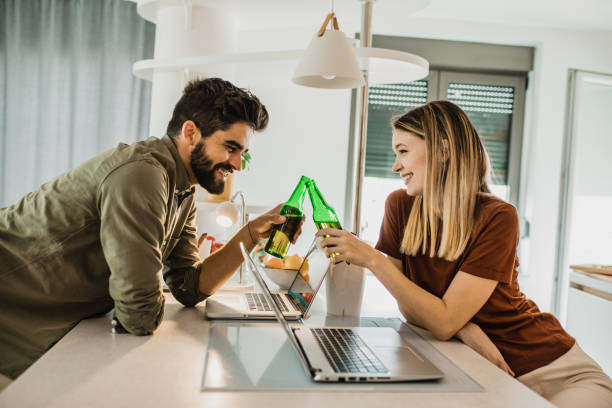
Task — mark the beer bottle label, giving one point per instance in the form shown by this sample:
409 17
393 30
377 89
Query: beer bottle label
282 234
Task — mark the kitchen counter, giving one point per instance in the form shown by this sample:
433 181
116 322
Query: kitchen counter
92 367
589 311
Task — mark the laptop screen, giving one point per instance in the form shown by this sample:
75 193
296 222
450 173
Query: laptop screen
305 278
256 271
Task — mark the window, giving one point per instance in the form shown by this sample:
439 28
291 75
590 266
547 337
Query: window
386 101
494 104
66 66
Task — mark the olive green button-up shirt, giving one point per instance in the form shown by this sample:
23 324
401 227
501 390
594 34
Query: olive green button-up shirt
97 237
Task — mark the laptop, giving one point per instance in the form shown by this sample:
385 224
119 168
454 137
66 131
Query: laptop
350 354
294 303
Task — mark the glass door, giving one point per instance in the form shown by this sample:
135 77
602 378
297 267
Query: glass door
585 227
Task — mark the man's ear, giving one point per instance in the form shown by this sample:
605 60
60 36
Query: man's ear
190 133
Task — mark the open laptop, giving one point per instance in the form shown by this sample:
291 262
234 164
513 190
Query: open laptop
350 354
294 303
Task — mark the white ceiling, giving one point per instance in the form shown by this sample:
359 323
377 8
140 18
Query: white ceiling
583 14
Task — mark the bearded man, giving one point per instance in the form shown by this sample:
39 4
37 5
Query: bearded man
101 235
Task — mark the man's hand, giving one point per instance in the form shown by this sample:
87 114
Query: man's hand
261 227
473 336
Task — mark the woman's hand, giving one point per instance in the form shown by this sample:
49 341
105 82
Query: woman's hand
473 336
346 247
261 227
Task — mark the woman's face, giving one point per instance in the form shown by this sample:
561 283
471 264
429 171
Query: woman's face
410 157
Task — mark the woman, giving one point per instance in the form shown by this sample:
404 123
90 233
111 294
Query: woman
447 253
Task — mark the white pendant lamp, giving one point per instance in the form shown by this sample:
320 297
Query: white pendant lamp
329 61
322 67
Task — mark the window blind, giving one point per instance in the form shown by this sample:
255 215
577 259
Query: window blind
490 109
385 102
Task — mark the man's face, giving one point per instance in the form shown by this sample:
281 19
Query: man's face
218 155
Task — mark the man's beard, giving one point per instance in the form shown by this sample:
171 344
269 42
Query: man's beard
205 172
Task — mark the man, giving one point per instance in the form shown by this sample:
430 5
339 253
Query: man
100 235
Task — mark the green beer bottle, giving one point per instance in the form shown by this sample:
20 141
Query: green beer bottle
283 234
323 215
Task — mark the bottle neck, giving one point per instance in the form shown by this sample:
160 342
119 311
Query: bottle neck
294 205
321 211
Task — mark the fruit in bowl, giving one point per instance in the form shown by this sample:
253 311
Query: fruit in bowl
282 271
293 262
275 263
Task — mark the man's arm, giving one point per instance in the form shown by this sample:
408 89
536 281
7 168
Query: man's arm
218 267
182 268
190 281
132 205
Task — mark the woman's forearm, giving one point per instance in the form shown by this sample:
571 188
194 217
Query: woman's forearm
416 304
474 337
443 316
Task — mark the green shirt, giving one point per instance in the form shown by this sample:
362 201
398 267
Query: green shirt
97 237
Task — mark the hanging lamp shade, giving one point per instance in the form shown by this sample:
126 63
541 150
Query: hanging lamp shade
386 66
329 61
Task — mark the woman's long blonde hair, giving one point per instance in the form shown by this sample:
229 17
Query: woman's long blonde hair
442 219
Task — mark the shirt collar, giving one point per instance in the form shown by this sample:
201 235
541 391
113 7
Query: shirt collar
183 186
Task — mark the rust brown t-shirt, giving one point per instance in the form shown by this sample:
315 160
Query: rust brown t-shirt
527 338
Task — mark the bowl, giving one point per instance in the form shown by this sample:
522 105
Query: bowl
282 277
285 277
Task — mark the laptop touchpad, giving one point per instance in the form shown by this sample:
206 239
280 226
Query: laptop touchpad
229 301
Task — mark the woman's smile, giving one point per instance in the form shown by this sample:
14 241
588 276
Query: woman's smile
407 177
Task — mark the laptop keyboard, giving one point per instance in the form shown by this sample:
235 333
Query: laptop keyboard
258 302
346 352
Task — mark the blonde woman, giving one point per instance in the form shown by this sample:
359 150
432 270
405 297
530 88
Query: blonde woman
447 254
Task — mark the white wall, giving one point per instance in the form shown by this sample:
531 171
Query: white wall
307 134
309 128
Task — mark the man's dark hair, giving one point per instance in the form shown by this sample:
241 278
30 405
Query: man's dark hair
215 104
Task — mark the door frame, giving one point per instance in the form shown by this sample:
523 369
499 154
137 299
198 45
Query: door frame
576 78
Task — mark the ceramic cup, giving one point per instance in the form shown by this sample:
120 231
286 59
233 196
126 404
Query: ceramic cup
204 249
344 289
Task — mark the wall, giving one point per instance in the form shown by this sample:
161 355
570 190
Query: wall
307 133
309 128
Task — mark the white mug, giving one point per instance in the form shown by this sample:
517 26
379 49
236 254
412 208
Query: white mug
204 249
344 289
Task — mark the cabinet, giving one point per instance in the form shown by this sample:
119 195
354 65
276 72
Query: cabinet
589 316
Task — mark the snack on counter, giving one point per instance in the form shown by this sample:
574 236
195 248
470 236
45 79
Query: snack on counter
275 263
293 263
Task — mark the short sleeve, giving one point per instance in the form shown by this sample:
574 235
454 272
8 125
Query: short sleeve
392 227
492 252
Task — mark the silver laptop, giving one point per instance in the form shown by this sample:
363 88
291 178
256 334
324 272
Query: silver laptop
350 354
294 303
